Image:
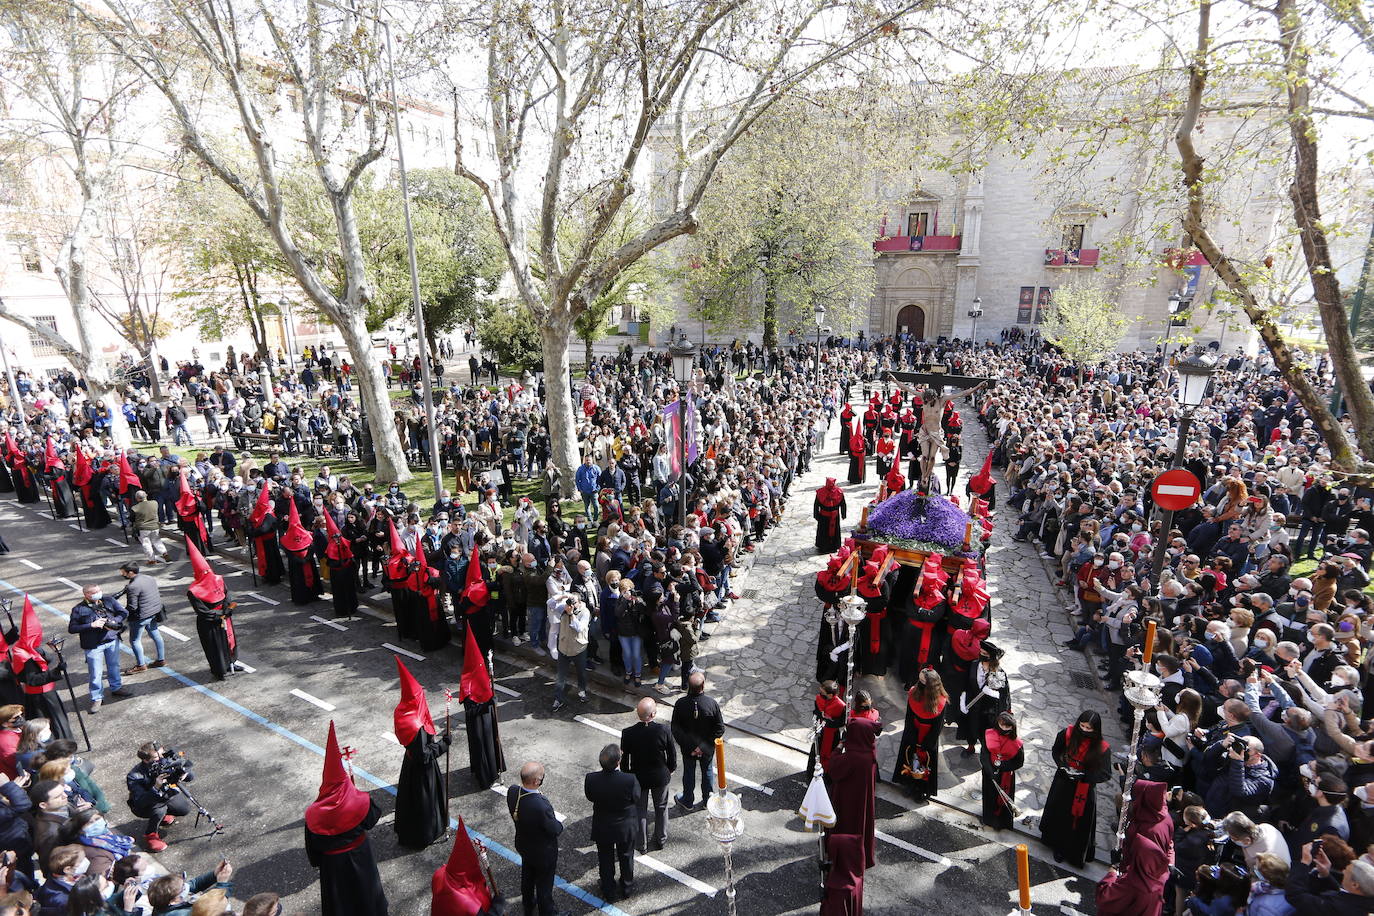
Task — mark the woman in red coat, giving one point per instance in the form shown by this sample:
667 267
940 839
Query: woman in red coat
1136 886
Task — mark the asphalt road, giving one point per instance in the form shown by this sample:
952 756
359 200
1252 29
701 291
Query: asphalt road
257 738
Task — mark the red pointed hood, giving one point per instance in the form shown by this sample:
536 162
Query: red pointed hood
412 713
30 644
475 588
931 582
968 643
459 888
973 592
295 537
186 500
476 682
398 564
207 586
830 494
127 478
50 460
263 508
340 806
82 474
982 482
339 549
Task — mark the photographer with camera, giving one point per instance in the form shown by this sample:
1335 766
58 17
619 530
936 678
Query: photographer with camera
154 791
98 621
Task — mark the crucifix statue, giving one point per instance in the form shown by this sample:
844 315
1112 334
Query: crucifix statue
930 387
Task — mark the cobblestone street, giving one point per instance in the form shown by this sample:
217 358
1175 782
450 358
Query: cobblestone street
761 659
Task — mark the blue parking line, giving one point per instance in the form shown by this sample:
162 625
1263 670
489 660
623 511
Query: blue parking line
503 851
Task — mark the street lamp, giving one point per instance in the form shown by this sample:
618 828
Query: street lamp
820 320
284 308
975 313
684 355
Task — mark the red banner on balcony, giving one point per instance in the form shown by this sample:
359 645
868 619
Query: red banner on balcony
919 243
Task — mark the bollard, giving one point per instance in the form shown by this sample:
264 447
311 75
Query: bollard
1023 875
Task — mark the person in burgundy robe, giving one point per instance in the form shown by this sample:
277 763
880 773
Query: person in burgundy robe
829 508
844 880
1136 886
852 778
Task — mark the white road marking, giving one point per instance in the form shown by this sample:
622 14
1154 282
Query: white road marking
29 563
328 623
663 868
501 791
909 847
406 652
175 634
116 543
47 515
69 583
73 527
362 609
244 666
597 725
1064 907
302 695
506 690
262 599
232 572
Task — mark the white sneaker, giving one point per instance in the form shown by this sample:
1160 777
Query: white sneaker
582 695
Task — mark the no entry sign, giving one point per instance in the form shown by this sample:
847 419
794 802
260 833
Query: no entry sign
1176 489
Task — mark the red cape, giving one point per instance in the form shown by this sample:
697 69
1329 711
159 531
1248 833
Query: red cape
459 888
476 682
412 713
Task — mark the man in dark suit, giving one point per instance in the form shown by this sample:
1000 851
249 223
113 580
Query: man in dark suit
536 839
651 756
697 723
615 798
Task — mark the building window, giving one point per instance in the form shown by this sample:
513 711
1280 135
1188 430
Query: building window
26 252
918 224
1073 236
38 344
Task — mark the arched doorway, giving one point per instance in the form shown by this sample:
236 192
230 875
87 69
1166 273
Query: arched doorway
912 320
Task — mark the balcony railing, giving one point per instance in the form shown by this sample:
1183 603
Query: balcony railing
919 243
1071 257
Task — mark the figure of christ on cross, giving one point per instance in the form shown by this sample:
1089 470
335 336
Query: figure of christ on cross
931 435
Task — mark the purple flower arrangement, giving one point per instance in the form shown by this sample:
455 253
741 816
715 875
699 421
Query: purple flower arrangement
918 522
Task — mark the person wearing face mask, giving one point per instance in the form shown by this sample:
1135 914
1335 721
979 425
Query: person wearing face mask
65 865
170 895
92 832
1083 758
1325 814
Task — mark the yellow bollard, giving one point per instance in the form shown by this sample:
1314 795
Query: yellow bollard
1023 875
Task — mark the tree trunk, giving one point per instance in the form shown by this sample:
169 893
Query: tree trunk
154 381
555 334
587 353
1302 191
367 375
770 311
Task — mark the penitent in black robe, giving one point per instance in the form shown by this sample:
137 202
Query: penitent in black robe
484 742
827 518
93 502
350 884
431 621
41 698
421 805
405 604
266 554
343 586
1069 823
63 499
215 627
6 478
304 575
25 486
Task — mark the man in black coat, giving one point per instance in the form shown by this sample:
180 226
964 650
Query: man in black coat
651 755
697 723
615 799
536 839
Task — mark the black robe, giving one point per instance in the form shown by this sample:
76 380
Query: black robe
266 554
920 749
405 605
983 710
858 466
48 702
25 486
828 524
920 640
421 815
832 635
1069 833
304 574
349 882
431 620
874 631
485 756
995 811
343 586
215 626
63 499
6 478
10 691
93 502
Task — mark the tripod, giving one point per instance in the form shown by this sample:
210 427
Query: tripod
201 810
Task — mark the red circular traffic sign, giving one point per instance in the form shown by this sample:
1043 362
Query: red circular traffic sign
1176 489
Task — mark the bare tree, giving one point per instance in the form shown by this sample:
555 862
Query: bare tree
323 61
576 97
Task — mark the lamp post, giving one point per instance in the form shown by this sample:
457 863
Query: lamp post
1142 688
286 310
975 313
820 320
684 354
1175 303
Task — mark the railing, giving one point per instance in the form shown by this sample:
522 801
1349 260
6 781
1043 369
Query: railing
1071 257
918 243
